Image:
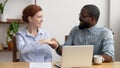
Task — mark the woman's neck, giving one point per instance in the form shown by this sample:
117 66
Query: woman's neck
32 30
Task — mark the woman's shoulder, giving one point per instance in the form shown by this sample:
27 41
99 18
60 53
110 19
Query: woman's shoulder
43 31
22 31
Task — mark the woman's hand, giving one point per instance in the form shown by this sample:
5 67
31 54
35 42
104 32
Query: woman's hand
53 42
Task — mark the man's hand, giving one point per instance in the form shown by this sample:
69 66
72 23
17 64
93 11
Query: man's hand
107 58
54 43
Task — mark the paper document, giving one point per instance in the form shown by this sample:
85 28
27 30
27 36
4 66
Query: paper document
41 65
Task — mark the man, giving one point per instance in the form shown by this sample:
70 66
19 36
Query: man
89 33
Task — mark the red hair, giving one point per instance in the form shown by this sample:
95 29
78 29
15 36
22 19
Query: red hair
30 10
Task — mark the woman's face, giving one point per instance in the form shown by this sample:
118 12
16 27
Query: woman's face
36 20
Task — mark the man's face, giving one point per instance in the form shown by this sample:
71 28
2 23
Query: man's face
85 19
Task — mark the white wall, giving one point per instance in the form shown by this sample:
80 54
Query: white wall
115 25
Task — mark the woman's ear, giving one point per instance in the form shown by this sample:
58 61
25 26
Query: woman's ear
30 19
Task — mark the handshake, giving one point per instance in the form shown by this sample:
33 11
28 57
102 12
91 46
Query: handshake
53 42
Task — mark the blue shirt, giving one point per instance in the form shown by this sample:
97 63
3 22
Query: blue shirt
100 37
30 49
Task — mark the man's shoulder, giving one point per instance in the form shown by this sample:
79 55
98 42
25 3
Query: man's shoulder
75 28
105 30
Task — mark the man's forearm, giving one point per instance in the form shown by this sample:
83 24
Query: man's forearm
59 50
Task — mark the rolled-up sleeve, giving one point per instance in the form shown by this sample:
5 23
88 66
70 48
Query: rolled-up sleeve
108 44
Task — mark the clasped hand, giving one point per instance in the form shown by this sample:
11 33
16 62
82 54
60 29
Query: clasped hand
53 42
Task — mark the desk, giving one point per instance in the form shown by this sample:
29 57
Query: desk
107 65
26 65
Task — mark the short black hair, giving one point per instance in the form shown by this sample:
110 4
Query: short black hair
93 11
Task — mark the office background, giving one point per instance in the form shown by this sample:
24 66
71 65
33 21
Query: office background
60 16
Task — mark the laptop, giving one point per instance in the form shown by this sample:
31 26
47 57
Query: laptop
77 56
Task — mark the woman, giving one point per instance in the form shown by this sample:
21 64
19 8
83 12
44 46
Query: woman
31 41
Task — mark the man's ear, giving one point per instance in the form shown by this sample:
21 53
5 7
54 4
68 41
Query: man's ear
92 18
